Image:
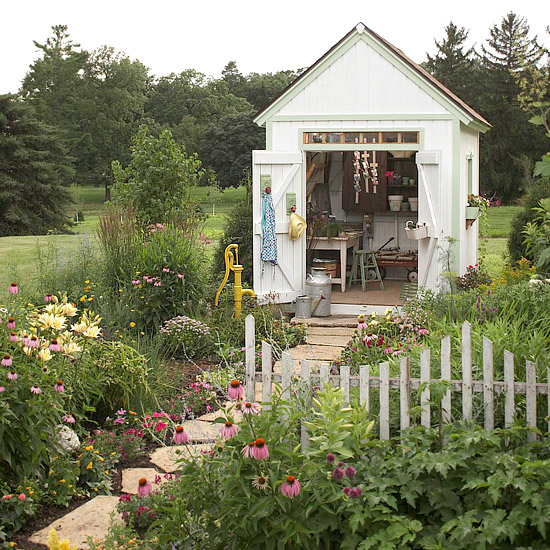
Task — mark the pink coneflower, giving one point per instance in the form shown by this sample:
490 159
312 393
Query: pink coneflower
423 331
48 297
36 390
247 450
361 325
235 390
6 360
25 339
11 323
135 282
12 375
13 289
180 437
13 337
54 346
59 388
180 275
260 450
350 472
69 418
144 488
230 429
33 341
251 408
166 269
337 473
158 283
2 389
291 487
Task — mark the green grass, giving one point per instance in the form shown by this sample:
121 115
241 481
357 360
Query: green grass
500 220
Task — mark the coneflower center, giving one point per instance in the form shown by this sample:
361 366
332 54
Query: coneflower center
6 356
261 480
179 429
251 444
260 442
235 384
60 382
229 424
248 405
290 479
142 482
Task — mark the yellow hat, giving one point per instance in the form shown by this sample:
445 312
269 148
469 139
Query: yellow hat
297 226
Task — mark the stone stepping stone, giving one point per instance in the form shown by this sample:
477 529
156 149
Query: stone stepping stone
330 331
92 519
316 353
338 341
166 458
332 321
131 477
201 432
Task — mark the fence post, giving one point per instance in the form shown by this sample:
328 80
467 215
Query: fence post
364 375
324 374
466 371
425 376
531 391
344 381
250 354
404 391
286 374
266 374
446 375
488 387
384 400
509 393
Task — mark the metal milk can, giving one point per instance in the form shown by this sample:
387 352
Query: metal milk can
303 307
319 288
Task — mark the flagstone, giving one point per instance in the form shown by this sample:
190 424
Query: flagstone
166 458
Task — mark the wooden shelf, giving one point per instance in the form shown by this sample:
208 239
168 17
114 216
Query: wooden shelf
403 186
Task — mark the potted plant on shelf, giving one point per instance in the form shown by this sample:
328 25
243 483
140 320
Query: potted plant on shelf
476 206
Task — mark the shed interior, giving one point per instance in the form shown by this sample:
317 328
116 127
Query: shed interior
362 200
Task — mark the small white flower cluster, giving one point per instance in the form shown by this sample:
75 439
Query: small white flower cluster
182 323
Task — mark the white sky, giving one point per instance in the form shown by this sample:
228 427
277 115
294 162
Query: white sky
170 36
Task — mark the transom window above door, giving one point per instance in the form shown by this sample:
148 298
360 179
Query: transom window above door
348 138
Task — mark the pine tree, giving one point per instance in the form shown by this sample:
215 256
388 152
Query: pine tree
34 168
508 48
452 65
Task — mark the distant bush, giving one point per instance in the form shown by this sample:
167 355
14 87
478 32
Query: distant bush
540 189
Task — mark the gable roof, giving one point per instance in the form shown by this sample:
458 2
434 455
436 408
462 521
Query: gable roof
441 91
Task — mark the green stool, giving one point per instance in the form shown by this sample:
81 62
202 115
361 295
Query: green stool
366 261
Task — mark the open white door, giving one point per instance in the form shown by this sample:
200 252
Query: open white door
283 170
429 209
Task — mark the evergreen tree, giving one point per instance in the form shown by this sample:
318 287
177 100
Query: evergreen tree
34 168
452 65
508 49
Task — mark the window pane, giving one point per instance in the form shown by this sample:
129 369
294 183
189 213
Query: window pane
409 137
389 137
314 138
333 138
351 137
370 137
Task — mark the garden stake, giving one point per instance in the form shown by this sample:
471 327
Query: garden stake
232 264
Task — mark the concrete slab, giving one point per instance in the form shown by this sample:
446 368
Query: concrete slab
92 519
131 477
166 458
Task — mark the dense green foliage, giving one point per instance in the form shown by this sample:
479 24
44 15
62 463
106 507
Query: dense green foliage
34 172
537 236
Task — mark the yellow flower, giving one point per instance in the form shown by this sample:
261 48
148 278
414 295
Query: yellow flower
90 299
142 333
70 486
120 290
132 412
83 298
89 447
61 481
12 544
44 354
132 324
31 492
113 453
89 467
107 471
92 332
87 282
101 459
69 310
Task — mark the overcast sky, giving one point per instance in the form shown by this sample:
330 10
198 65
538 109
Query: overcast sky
170 36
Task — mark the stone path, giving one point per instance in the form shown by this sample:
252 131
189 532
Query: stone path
325 342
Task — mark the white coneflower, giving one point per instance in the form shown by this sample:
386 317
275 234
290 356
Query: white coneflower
260 481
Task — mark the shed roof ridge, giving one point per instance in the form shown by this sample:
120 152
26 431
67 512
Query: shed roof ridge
359 29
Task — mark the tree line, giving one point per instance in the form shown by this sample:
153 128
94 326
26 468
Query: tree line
82 109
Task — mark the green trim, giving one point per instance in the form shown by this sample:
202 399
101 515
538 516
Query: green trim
386 54
479 127
362 116
455 186
269 135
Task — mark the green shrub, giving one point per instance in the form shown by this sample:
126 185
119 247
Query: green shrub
540 189
187 338
238 230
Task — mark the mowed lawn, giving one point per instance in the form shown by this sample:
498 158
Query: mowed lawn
19 256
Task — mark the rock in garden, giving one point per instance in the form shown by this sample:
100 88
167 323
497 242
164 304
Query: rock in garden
67 440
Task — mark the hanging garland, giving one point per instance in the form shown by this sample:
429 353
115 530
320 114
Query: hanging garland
369 171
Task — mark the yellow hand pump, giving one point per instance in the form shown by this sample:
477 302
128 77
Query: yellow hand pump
232 264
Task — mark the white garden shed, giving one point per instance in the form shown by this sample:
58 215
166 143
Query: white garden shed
362 124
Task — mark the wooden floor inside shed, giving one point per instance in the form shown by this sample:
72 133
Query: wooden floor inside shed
373 296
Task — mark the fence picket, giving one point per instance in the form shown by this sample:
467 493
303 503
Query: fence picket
344 381
266 374
425 376
446 375
286 368
250 357
531 390
488 387
404 391
384 400
466 370
324 374
364 375
305 372
509 395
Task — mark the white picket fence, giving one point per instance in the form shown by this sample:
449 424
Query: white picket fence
318 373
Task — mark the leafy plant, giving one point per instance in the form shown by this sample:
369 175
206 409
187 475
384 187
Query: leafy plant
537 236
